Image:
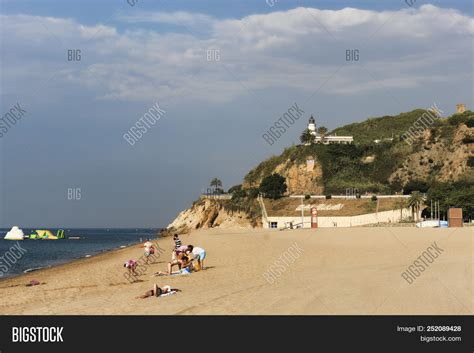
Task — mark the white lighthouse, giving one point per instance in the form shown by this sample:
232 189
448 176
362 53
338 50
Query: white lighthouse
312 126
327 139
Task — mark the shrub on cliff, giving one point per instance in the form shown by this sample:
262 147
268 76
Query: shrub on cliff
273 186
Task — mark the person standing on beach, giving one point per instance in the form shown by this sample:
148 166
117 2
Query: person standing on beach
198 254
177 241
149 249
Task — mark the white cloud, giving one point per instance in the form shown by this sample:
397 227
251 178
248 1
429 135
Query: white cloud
287 49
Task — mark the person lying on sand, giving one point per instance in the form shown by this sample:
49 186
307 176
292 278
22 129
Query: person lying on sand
183 271
158 292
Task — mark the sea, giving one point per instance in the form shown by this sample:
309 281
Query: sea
77 243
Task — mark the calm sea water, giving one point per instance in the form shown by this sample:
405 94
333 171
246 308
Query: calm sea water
46 253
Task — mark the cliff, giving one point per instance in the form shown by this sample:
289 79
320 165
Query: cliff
379 161
443 152
209 213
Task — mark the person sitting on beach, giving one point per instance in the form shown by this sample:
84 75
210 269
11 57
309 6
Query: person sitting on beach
157 292
198 254
182 261
149 249
131 265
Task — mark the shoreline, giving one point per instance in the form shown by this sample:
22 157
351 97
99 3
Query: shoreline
68 262
345 271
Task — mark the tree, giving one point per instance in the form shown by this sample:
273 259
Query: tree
415 185
400 204
237 192
273 186
253 193
415 201
234 189
216 183
457 194
307 137
322 130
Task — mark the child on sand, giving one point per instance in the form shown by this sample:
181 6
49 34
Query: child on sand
177 241
131 265
149 249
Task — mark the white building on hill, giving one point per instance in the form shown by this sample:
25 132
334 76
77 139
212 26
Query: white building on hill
327 139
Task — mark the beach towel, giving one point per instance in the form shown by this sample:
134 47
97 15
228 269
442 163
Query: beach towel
169 293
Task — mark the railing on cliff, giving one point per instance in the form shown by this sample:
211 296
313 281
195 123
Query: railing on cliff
263 209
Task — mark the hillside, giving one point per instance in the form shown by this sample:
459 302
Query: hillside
440 162
380 127
443 153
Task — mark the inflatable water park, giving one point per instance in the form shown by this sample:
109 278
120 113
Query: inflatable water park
42 234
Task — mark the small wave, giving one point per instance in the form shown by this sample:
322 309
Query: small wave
34 269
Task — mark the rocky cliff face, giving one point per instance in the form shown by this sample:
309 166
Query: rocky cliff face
304 178
208 213
441 158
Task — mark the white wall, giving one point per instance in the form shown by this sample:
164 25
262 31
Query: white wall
338 221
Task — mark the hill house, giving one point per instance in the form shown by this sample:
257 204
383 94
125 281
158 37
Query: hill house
327 139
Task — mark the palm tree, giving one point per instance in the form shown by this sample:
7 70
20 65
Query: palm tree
415 201
216 183
400 204
307 137
322 130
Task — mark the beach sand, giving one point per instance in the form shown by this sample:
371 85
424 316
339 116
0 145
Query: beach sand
336 271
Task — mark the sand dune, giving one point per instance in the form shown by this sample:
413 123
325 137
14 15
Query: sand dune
333 271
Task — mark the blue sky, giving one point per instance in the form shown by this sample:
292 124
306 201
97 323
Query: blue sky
215 110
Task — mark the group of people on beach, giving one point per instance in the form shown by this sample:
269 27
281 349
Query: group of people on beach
187 258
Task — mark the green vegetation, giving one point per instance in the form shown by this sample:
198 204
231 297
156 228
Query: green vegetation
306 137
465 118
348 166
457 194
217 185
415 202
273 186
470 162
243 201
322 130
380 128
400 204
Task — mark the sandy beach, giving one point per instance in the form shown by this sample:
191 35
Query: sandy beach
334 271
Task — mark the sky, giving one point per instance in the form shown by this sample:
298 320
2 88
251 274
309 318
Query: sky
210 78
